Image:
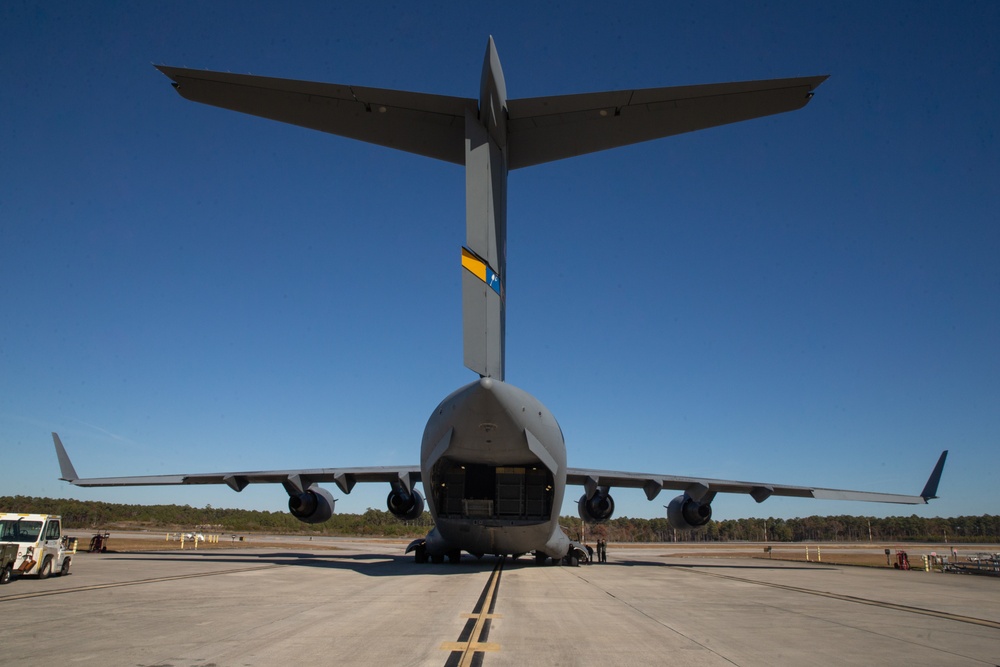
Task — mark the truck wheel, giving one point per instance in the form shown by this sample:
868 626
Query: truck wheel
46 569
64 570
5 575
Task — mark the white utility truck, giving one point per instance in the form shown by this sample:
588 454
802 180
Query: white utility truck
33 544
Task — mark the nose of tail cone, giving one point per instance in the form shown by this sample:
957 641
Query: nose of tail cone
495 401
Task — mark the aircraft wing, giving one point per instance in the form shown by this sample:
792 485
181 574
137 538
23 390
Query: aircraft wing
542 129
344 478
430 125
701 487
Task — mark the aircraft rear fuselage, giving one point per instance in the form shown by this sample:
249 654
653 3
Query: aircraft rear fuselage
493 461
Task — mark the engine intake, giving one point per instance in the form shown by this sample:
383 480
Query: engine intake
405 506
685 513
599 507
314 505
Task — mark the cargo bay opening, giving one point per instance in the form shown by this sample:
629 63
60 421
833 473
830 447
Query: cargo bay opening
481 491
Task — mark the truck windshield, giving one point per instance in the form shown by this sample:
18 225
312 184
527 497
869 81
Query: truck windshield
12 530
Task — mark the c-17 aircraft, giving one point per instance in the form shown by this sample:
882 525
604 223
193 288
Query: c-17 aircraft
493 458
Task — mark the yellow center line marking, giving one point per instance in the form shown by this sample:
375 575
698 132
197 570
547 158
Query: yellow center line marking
472 645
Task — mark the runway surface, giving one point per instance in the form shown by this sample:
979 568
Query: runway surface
366 603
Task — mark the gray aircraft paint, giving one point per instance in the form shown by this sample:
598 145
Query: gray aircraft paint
493 458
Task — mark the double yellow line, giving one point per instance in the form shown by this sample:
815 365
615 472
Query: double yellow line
472 638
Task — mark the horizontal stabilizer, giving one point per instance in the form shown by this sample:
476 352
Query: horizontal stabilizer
539 129
542 129
430 125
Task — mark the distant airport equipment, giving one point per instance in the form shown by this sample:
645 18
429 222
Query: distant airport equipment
981 563
33 544
493 461
99 542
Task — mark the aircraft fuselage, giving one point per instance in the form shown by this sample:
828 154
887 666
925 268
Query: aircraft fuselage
493 465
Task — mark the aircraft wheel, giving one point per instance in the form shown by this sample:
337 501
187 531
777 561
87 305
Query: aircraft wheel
64 570
5 574
46 569
455 557
540 558
437 559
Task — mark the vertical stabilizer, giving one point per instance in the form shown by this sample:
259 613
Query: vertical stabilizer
484 259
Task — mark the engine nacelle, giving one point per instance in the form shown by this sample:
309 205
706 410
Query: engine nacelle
599 507
314 505
685 513
405 506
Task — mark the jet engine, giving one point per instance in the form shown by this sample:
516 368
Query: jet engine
599 507
314 505
684 512
405 506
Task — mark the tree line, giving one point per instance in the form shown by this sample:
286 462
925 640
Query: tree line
975 529
96 515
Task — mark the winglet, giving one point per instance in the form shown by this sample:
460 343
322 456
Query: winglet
65 465
930 488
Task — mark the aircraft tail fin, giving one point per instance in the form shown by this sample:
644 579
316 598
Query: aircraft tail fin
483 315
485 256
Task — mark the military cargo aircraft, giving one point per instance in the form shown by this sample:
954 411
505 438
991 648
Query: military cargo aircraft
493 460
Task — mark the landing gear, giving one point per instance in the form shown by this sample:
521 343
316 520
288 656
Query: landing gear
540 558
420 555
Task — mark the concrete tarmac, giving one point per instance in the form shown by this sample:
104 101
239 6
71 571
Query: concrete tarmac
368 604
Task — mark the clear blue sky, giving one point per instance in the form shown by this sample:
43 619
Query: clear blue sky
811 298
